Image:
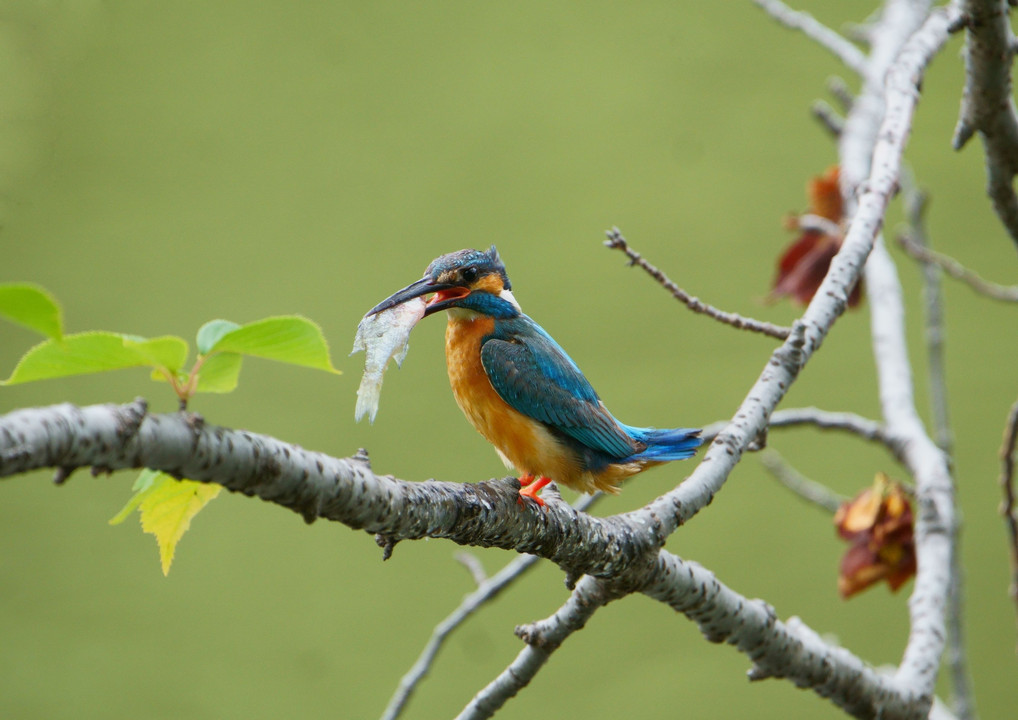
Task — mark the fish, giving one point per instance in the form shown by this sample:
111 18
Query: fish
383 336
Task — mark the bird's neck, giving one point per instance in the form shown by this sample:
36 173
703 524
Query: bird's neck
482 303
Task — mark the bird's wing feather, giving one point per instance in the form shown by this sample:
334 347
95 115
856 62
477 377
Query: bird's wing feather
538 379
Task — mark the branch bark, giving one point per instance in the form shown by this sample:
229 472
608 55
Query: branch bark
840 46
987 106
994 291
111 437
485 514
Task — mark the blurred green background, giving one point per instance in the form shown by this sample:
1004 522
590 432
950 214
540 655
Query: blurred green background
163 164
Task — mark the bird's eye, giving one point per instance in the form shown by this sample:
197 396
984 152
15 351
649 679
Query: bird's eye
469 274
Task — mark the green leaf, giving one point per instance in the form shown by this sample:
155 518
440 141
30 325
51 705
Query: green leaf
167 506
79 354
169 351
218 374
33 307
210 333
140 488
292 339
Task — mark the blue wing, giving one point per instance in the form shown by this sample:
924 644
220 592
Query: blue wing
534 376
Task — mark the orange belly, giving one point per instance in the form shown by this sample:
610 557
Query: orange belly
523 443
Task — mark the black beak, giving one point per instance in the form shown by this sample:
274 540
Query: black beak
423 286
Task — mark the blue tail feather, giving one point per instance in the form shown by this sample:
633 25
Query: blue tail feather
665 445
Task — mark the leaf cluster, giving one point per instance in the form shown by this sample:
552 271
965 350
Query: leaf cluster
166 505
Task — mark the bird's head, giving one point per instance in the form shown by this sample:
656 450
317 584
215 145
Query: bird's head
471 280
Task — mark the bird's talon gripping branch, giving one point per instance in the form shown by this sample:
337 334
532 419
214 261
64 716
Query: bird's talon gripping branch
522 392
531 488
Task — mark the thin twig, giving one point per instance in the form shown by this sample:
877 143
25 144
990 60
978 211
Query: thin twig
842 48
473 565
827 420
542 639
839 90
809 490
818 223
487 590
1007 507
828 117
915 201
1005 293
615 241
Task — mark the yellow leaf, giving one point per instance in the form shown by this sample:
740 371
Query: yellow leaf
167 510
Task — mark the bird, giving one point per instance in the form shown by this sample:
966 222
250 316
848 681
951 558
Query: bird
523 393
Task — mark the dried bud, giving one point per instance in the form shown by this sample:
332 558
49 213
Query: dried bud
879 525
804 264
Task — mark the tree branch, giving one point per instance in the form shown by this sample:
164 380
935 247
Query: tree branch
823 420
115 437
826 420
777 649
485 514
839 90
842 48
828 117
914 200
487 590
542 639
1007 506
927 463
615 241
987 106
809 490
914 247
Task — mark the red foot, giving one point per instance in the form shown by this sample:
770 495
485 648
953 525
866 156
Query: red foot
531 487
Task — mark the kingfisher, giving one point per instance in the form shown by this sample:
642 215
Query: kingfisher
521 390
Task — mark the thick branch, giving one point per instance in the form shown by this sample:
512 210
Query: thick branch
987 106
928 465
112 437
486 514
778 649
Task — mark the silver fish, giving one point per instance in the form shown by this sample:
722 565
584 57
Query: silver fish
382 336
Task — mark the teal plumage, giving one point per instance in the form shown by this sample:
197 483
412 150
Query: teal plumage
543 415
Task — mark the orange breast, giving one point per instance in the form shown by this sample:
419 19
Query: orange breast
523 443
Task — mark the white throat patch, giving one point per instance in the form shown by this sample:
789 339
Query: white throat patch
508 295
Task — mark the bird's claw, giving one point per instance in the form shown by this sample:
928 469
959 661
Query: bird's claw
529 487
